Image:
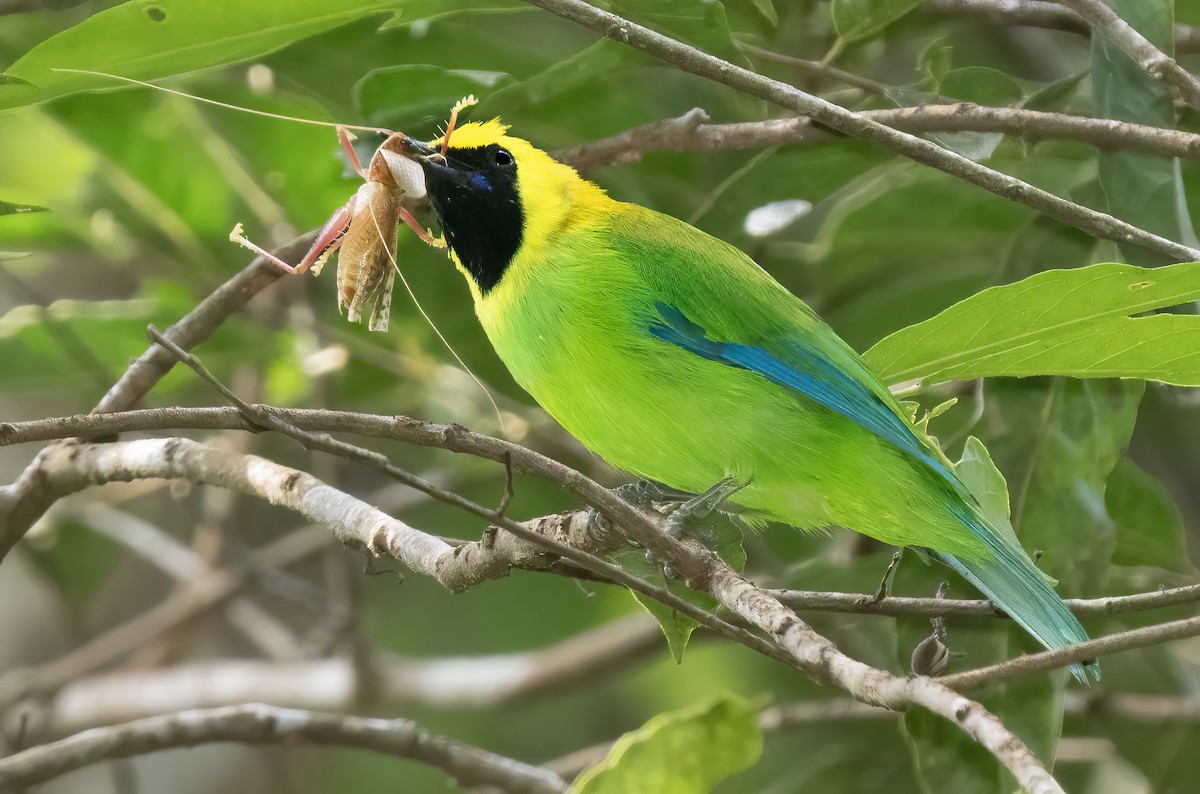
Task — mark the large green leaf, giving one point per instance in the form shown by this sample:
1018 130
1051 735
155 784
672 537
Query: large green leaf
401 97
861 19
1145 190
148 39
1062 322
681 752
1150 529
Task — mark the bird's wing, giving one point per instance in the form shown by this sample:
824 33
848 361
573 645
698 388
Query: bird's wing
712 300
798 361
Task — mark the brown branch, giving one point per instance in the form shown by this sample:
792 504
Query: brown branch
527 462
1072 654
690 59
66 468
866 604
259 724
690 132
1149 58
1040 14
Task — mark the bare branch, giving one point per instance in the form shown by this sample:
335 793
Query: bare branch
194 598
1037 13
689 132
463 682
197 326
259 724
1072 654
697 62
1150 59
184 565
865 604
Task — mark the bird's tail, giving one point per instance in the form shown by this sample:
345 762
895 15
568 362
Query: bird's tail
1014 584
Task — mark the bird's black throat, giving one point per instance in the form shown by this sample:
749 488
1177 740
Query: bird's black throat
479 208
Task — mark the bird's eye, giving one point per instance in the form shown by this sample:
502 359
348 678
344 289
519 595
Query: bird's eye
503 158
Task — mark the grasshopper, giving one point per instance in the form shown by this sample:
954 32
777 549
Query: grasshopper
365 227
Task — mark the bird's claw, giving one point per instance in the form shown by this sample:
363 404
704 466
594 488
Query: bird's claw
701 506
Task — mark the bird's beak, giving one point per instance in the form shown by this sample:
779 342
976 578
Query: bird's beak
439 172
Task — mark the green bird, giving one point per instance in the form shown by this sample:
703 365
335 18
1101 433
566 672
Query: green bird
672 355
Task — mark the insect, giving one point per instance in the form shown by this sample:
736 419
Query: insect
364 230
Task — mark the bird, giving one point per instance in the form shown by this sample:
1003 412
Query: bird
672 355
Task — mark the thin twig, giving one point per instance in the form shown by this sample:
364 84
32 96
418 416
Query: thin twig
1073 654
260 724
1041 14
1149 58
690 132
698 62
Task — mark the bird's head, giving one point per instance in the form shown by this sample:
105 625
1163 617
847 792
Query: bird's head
499 198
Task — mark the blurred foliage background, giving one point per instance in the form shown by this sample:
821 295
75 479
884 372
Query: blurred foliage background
142 189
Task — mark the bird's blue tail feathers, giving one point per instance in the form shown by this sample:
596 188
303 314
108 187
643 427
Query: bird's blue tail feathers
1014 584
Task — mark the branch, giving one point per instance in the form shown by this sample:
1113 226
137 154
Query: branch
1153 61
259 724
463 682
697 62
689 132
1072 654
896 606
197 326
1040 14
196 597
525 461
62 469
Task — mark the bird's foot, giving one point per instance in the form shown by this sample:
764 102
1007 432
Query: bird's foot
642 493
885 585
701 506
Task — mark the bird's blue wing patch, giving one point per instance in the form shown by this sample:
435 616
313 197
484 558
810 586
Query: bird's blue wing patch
805 370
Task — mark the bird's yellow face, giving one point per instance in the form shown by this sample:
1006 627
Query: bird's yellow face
501 201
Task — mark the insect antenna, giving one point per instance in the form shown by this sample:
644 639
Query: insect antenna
217 103
408 288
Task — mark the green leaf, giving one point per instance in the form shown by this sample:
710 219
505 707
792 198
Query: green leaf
149 39
19 209
726 540
1150 529
861 19
1061 322
983 480
401 97
680 752
1058 440
1147 191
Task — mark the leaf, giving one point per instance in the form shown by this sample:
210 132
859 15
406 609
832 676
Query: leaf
985 482
19 209
1062 322
1058 440
1150 529
1147 191
400 97
678 628
861 19
149 39
681 752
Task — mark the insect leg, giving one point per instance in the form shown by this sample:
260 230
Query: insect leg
328 239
